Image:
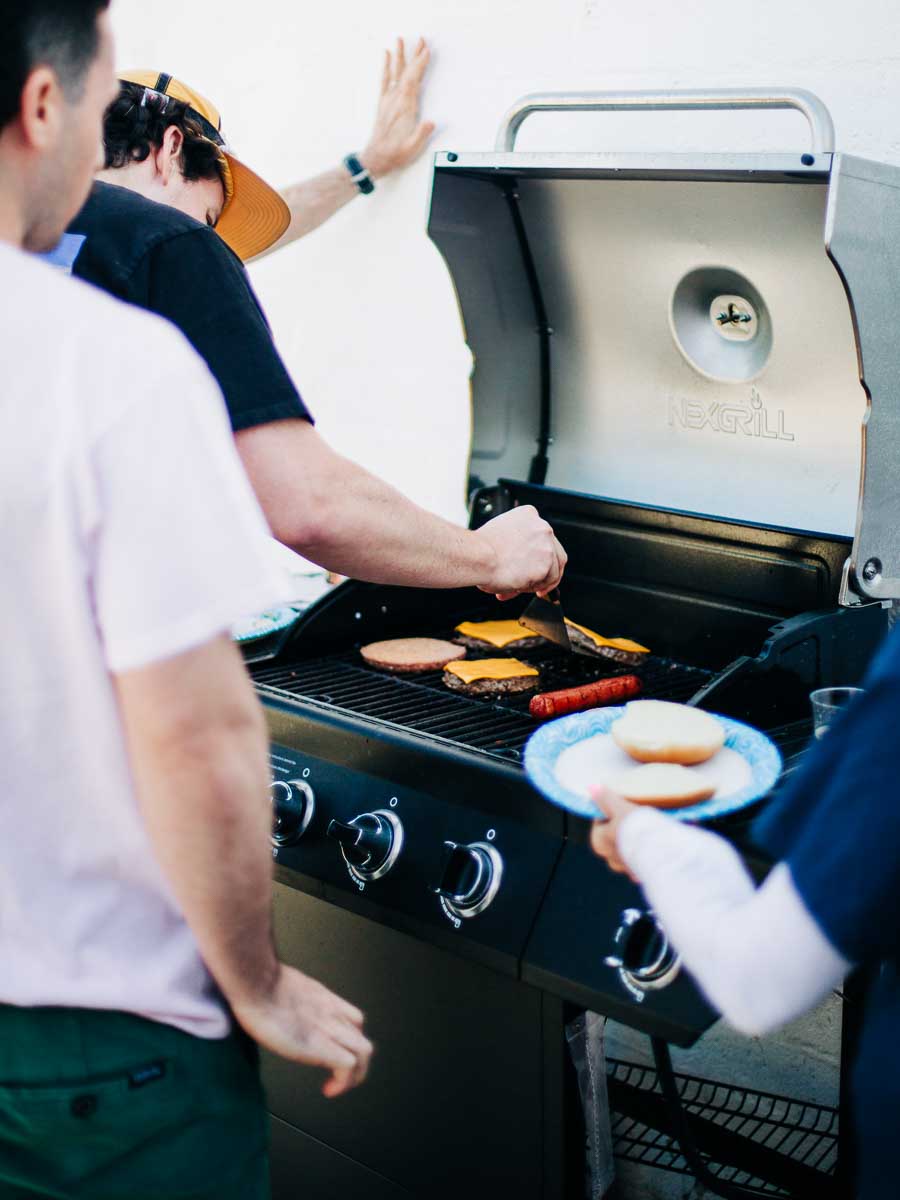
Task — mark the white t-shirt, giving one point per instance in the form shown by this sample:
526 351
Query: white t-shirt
128 533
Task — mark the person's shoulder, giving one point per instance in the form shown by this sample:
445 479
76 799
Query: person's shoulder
113 209
101 344
122 228
88 315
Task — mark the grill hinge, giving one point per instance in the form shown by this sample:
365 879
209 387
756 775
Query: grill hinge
850 596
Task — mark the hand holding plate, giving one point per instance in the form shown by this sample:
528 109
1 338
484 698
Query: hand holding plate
613 810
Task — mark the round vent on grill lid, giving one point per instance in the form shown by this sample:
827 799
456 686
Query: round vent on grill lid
721 324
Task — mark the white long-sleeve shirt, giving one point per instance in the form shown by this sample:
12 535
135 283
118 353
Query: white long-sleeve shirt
757 953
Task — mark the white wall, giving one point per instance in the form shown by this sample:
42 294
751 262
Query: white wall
363 309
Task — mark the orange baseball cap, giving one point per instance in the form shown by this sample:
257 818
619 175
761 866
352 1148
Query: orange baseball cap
255 215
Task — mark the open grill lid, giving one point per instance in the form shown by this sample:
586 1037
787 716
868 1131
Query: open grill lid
712 333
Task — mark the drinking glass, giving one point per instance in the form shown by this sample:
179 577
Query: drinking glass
828 703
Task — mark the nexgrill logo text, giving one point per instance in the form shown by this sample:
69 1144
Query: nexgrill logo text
750 419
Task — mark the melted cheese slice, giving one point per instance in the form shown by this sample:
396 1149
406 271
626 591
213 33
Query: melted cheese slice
495 633
468 670
615 643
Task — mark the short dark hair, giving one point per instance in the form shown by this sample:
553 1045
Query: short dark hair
59 33
136 123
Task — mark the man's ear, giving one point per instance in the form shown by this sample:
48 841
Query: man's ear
42 110
168 156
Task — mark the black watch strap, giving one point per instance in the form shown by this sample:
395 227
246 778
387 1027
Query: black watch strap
359 174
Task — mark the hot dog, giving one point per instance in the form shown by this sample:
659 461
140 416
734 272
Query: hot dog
590 695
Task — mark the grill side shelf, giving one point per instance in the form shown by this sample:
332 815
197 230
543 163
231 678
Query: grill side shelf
820 649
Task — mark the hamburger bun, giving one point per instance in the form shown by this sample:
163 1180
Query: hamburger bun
663 785
409 656
657 731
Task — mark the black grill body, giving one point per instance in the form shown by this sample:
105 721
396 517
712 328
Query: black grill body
597 294
741 620
470 1016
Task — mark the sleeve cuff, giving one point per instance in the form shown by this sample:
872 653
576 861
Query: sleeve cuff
287 410
195 630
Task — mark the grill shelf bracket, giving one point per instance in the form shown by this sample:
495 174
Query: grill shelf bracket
762 1142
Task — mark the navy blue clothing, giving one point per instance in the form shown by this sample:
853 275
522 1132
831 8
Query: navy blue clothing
161 259
838 828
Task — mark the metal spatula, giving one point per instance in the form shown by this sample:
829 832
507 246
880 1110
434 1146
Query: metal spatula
544 615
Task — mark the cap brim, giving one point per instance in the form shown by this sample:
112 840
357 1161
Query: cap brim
255 217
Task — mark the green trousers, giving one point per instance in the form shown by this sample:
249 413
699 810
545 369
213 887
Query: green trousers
101 1105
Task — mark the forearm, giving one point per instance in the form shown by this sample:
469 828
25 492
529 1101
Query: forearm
757 953
198 751
336 513
368 530
313 201
205 806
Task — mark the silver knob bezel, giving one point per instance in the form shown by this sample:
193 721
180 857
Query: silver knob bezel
653 976
363 874
656 982
309 807
308 811
494 867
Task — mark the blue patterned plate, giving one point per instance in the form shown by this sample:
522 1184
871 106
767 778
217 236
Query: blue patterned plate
763 763
248 629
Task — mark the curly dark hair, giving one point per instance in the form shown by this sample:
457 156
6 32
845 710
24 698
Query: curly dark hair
136 123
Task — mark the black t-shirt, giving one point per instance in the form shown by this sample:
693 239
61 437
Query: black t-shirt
161 259
838 828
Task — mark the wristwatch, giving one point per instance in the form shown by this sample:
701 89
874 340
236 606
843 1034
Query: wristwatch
359 174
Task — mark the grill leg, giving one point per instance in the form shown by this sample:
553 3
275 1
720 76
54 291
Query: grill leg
564 1145
851 1025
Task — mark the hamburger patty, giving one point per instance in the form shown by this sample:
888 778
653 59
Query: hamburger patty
620 650
411 655
491 677
496 635
523 643
490 687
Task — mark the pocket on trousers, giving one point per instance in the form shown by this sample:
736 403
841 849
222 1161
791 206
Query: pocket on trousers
181 1127
59 1134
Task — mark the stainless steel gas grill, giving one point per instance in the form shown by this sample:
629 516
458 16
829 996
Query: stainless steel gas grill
699 337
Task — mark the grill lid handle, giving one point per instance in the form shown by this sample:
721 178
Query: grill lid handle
820 124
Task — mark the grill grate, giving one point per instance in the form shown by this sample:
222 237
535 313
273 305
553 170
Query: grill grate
499 727
804 1135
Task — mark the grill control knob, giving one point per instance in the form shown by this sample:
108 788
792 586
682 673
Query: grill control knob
470 878
370 843
293 805
642 956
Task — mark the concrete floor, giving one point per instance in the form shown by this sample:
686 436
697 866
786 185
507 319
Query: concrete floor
801 1061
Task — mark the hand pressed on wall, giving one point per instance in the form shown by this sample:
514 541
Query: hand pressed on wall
398 138
399 135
